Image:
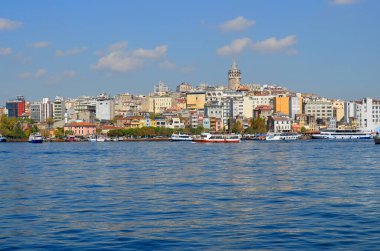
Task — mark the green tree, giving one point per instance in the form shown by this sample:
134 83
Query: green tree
303 129
237 127
59 132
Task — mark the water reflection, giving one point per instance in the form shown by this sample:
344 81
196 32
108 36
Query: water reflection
255 195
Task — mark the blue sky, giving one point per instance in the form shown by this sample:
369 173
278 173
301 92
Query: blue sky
71 48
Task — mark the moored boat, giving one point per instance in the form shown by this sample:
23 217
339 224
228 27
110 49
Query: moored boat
180 137
282 136
377 139
217 138
35 138
342 134
3 139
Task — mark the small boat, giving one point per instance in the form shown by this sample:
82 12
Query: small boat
180 137
92 139
282 136
35 138
342 134
377 139
3 139
100 139
217 138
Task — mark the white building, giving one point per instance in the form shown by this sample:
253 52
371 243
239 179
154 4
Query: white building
105 107
59 109
295 105
161 87
369 114
321 109
251 102
279 123
41 111
351 111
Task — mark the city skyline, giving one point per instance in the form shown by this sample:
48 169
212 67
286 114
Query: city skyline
66 49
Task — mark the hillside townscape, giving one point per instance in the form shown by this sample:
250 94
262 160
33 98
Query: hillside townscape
236 107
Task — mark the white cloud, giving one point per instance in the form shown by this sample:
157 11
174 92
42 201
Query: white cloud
122 60
118 46
237 24
40 44
157 52
235 47
344 2
167 65
274 45
6 24
70 52
39 73
5 51
118 61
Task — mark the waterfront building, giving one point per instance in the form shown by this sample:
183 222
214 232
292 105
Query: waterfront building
41 111
234 76
176 123
105 107
278 123
369 114
263 111
281 104
59 109
295 105
84 129
351 110
251 102
322 109
338 110
307 121
16 108
195 100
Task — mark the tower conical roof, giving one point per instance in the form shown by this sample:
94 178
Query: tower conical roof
234 65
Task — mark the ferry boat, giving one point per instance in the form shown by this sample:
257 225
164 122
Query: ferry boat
3 139
342 134
377 139
282 136
217 138
180 137
35 138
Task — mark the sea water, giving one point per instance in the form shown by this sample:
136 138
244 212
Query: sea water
183 196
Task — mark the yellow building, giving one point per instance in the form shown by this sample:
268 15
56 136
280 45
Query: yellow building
195 100
338 107
281 104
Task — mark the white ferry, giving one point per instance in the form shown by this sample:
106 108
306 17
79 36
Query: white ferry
35 138
217 138
180 137
342 134
282 136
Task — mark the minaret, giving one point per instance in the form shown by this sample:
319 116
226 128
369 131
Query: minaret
234 76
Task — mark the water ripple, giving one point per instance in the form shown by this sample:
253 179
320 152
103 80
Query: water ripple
159 196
